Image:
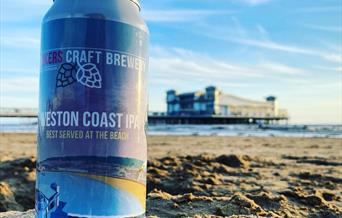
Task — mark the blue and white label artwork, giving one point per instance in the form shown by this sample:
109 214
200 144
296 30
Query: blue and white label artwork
92 118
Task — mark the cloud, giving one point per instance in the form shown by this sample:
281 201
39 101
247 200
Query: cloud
27 2
180 15
251 2
22 10
256 2
263 32
185 64
268 44
337 58
20 42
181 66
328 56
9 101
19 84
328 68
271 45
17 70
280 68
331 46
259 37
337 29
327 9
21 91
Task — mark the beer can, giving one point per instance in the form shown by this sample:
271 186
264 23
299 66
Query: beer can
91 158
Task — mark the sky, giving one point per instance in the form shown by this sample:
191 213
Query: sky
251 48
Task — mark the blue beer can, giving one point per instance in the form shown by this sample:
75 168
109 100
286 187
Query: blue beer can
92 110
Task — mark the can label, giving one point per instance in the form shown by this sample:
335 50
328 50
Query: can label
92 117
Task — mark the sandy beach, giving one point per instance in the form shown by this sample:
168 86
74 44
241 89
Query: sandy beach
199 176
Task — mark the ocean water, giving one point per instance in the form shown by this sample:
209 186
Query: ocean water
29 125
19 125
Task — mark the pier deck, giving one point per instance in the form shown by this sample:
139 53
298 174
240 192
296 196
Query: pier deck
199 120
212 120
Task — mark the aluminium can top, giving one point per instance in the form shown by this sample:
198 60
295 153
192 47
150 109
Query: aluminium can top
134 1
137 3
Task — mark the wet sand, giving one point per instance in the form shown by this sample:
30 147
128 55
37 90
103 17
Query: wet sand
195 176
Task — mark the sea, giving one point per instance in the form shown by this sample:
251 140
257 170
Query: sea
29 125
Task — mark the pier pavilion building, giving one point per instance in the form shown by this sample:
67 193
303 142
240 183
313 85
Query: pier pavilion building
212 101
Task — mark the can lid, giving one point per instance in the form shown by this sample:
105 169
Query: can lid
137 3
134 1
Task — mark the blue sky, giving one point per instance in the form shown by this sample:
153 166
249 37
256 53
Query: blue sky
252 48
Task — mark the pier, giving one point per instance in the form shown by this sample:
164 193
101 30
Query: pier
177 120
155 118
18 115
16 112
213 119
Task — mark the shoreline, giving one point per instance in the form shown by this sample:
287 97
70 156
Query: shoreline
301 131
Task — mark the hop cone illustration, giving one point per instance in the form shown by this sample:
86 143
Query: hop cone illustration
65 75
89 75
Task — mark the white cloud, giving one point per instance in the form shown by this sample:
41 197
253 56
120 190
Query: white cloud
18 70
336 48
23 84
263 32
23 10
256 2
337 29
9 101
166 64
280 68
180 15
20 42
44 3
337 58
183 64
19 91
268 44
259 37
327 9
271 45
328 68
251 2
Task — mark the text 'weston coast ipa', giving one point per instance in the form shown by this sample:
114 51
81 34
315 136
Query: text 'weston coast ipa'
92 110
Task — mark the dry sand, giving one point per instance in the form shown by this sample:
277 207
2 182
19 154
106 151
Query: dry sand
198 176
